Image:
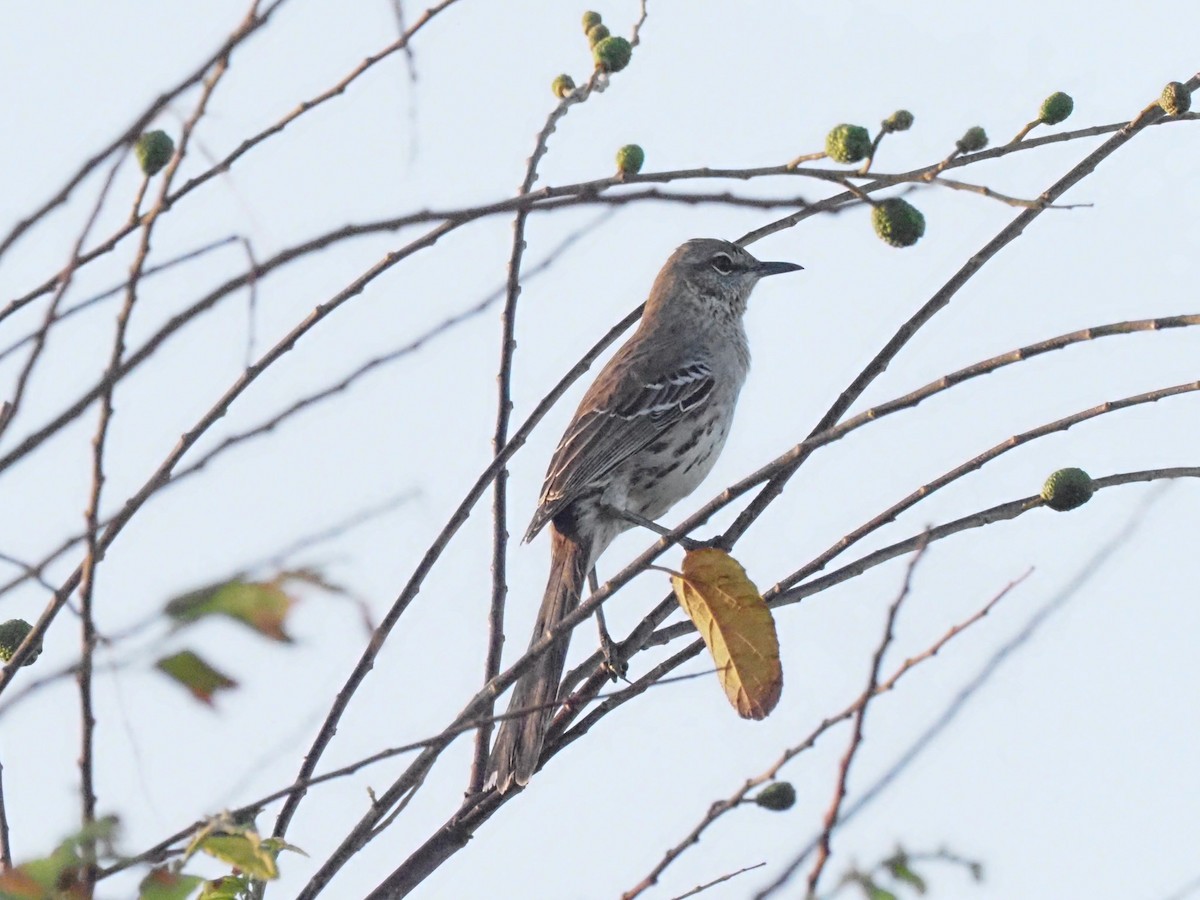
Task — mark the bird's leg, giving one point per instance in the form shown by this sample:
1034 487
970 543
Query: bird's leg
616 666
685 542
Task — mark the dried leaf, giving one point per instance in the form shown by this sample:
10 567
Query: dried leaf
18 884
196 675
737 627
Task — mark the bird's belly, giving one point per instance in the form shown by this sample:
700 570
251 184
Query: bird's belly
670 468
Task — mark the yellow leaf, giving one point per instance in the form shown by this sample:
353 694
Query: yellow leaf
245 851
737 627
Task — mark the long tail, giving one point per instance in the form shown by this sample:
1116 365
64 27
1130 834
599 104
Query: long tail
518 744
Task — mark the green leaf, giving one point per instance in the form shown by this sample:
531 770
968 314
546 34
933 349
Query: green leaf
196 675
162 884
872 891
244 851
898 866
262 605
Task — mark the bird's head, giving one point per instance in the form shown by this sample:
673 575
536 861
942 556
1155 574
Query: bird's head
716 274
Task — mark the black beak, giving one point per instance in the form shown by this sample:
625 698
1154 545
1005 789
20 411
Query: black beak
763 269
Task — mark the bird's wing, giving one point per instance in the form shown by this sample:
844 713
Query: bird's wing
612 426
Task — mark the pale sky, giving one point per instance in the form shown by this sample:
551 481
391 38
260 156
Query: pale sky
1070 773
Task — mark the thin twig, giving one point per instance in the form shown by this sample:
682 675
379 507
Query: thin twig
29 571
251 303
5 848
643 631
856 738
985 191
1028 127
701 888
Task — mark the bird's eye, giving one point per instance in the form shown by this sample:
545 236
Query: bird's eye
722 264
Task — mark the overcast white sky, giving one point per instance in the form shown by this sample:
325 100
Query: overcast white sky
1071 773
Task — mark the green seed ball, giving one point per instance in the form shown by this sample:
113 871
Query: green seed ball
12 633
562 85
848 143
898 222
900 120
596 34
630 159
973 140
591 19
1068 489
154 150
1176 99
1056 108
612 54
777 796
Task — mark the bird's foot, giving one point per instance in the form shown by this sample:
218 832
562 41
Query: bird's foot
612 662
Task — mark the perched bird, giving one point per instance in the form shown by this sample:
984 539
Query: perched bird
647 432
